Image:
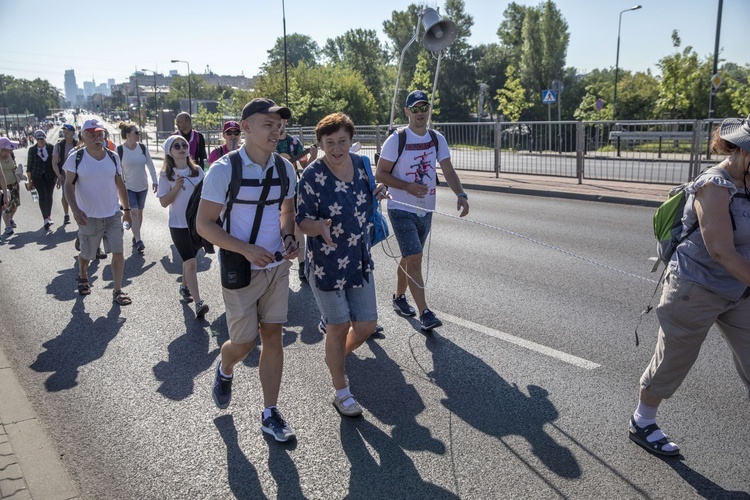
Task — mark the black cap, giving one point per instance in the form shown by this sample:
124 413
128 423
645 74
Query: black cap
265 106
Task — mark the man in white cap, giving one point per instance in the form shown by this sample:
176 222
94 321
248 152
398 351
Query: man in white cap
259 239
93 184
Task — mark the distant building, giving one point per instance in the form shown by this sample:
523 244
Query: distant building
71 87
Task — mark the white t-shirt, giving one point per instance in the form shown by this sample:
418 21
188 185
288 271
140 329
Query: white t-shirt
179 205
96 191
416 164
134 164
216 186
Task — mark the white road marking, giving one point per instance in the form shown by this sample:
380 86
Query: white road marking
527 344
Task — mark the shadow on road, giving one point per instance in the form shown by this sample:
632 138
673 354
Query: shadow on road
173 264
64 286
391 400
703 486
243 477
393 475
82 341
189 356
470 384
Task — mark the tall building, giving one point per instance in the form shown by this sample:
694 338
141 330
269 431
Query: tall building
71 87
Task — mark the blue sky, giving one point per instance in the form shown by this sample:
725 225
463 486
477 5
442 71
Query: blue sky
110 39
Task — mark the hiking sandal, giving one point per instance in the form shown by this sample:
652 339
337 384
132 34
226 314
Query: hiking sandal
121 298
83 286
639 435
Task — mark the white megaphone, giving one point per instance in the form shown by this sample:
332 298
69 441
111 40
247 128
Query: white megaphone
439 32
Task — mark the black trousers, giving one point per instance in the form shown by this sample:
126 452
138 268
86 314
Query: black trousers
46 188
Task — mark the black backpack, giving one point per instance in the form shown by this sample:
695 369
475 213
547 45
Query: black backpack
79 157
191 212
143 149
402 142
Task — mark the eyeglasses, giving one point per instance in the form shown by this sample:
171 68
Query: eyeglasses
180 145
419 109
232 132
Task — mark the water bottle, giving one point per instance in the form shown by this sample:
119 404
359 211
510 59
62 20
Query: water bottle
126 225
421 203
35 195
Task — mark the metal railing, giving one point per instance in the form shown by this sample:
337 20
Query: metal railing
658 151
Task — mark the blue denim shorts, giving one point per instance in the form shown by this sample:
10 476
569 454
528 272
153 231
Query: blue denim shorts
350 304
137 199
410 229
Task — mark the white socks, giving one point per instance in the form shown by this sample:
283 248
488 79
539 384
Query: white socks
644 416
342 393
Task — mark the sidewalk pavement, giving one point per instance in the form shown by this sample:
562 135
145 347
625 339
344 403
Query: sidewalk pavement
30 465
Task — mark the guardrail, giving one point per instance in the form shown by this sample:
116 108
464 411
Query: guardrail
659 151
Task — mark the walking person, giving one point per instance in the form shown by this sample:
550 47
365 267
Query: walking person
12 200
177 180
707 283
59 154
93 184
196 140
135 160
231 140
291 148
412 181
261 235
334 210
41 175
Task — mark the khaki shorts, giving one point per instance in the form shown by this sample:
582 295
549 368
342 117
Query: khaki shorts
687 312
108 229
264 300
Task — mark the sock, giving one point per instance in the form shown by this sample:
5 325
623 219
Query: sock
221 372
342 393
644 414
267 412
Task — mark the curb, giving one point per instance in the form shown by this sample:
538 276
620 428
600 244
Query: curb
30 465
564 195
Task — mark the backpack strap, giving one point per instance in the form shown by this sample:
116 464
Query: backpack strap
401 134
143 148
119 151
434 137
235 160
79 157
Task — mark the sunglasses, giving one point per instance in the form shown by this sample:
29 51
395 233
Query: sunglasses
136 132
232 132
180 145
419 109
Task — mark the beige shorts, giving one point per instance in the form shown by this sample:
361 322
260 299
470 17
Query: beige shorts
264 300
108 229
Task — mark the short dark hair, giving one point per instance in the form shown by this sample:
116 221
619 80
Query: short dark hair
719 145
332 123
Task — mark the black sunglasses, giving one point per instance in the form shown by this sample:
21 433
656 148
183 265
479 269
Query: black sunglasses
136 132
232 132
180 145
419 109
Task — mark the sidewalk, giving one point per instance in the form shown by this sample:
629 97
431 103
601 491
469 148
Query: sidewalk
30 465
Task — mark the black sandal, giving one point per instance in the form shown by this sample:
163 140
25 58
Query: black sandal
121 298
639 435
83 286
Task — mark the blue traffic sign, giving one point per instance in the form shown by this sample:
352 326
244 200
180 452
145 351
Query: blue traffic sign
549 97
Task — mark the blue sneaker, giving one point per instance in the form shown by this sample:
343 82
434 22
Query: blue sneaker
402 306
222 392
276 426
428 320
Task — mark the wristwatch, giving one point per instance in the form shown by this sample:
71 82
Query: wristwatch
464 196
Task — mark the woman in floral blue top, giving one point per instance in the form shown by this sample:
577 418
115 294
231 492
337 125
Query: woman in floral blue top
334 209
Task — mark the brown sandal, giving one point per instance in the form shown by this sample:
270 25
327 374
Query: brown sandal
83 286
121 298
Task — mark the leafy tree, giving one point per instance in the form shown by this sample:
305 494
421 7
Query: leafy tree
492 62
511 99
510 31
362 51
300 48
423 79
399 29
29 96
682 83
205 120
737 93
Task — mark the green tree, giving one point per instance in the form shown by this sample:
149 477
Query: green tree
738 97
682 91
362 51
399 30
300 48
510 31
29 96
423 79
511 99
492 62
205 120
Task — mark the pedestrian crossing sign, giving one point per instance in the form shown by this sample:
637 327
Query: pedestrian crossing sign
549 97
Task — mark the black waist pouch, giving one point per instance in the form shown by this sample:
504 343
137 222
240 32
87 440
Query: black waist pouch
235 270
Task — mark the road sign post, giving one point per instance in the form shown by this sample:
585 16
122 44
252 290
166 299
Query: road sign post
549 98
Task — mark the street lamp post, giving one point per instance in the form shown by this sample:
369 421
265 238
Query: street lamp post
156 107
617 61
190 85
286 75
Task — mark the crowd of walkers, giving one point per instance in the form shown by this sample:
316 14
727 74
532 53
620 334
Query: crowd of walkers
324 211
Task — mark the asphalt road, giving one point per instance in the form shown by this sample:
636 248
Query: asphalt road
524 393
